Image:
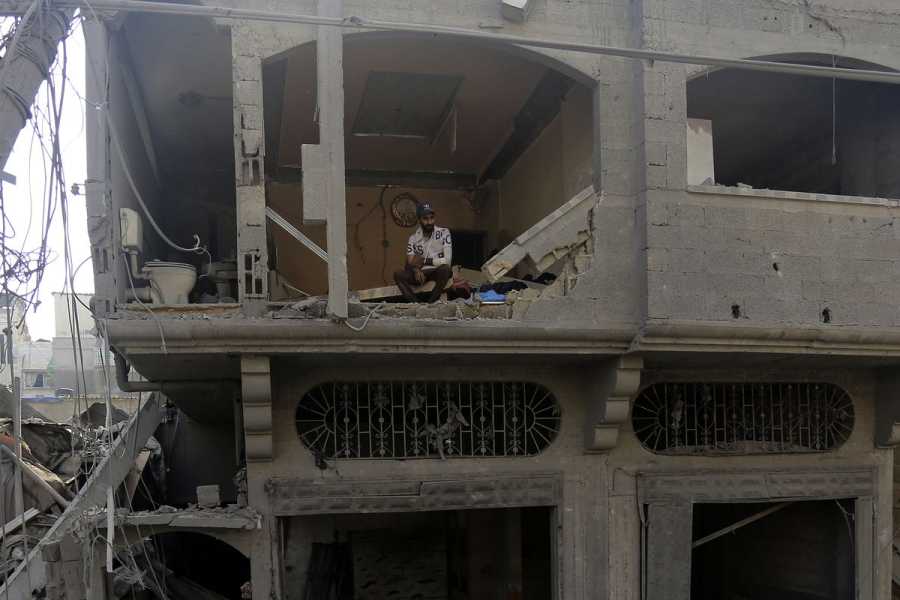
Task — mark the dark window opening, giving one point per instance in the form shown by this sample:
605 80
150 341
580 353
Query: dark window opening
804 134
442 555
801 551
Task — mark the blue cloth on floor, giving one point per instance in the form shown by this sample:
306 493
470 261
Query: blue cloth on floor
491 296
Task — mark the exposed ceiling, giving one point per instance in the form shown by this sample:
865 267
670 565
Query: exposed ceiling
183 66
494 87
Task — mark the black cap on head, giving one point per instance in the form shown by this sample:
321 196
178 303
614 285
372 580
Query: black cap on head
424 209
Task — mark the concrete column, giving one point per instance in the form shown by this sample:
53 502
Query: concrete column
326 188
665 126
249 165
103 227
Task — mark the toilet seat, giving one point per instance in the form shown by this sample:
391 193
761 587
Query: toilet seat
168 265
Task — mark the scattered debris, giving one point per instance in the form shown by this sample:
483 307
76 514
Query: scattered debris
208 496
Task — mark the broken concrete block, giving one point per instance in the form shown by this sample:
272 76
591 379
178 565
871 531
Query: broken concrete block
208 496
516 10
494 311
71 549
52 552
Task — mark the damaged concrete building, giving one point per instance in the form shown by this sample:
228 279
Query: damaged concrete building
701 404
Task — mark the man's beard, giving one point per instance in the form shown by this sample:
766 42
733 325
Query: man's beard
428 229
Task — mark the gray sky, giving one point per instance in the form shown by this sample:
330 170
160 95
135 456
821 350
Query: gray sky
24 201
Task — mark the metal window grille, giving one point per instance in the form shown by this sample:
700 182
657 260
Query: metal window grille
742 418
448 419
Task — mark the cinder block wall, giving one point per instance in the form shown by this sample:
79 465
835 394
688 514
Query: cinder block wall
769 260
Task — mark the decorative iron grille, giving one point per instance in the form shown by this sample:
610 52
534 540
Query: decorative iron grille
742 418
427 419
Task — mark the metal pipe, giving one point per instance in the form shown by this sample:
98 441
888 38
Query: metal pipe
354 22
23 467
124 384
295 233
743 522
122 368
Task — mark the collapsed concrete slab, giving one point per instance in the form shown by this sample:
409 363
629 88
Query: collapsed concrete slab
550 239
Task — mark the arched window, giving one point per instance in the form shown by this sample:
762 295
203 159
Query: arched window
742 418
417 419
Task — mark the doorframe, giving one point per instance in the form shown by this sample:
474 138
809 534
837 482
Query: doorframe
294 497
677 491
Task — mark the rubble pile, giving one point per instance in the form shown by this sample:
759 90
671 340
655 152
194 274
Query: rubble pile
56 461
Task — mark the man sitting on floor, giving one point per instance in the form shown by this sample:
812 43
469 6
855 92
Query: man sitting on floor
428 257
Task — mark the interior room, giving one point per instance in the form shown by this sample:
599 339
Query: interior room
800 133
172 159
796 550
493 140
452 555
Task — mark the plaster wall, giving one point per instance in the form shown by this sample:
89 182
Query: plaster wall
370 262
554 168
533 188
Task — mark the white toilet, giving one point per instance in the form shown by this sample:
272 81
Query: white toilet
170 282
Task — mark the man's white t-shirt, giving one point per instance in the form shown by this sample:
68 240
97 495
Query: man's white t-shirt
437 247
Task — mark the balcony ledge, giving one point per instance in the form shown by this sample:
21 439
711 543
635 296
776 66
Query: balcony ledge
723 190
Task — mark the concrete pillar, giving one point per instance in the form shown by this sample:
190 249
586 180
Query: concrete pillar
249 167
103 230
324 183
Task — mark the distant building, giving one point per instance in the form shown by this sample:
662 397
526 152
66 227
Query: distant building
12 310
